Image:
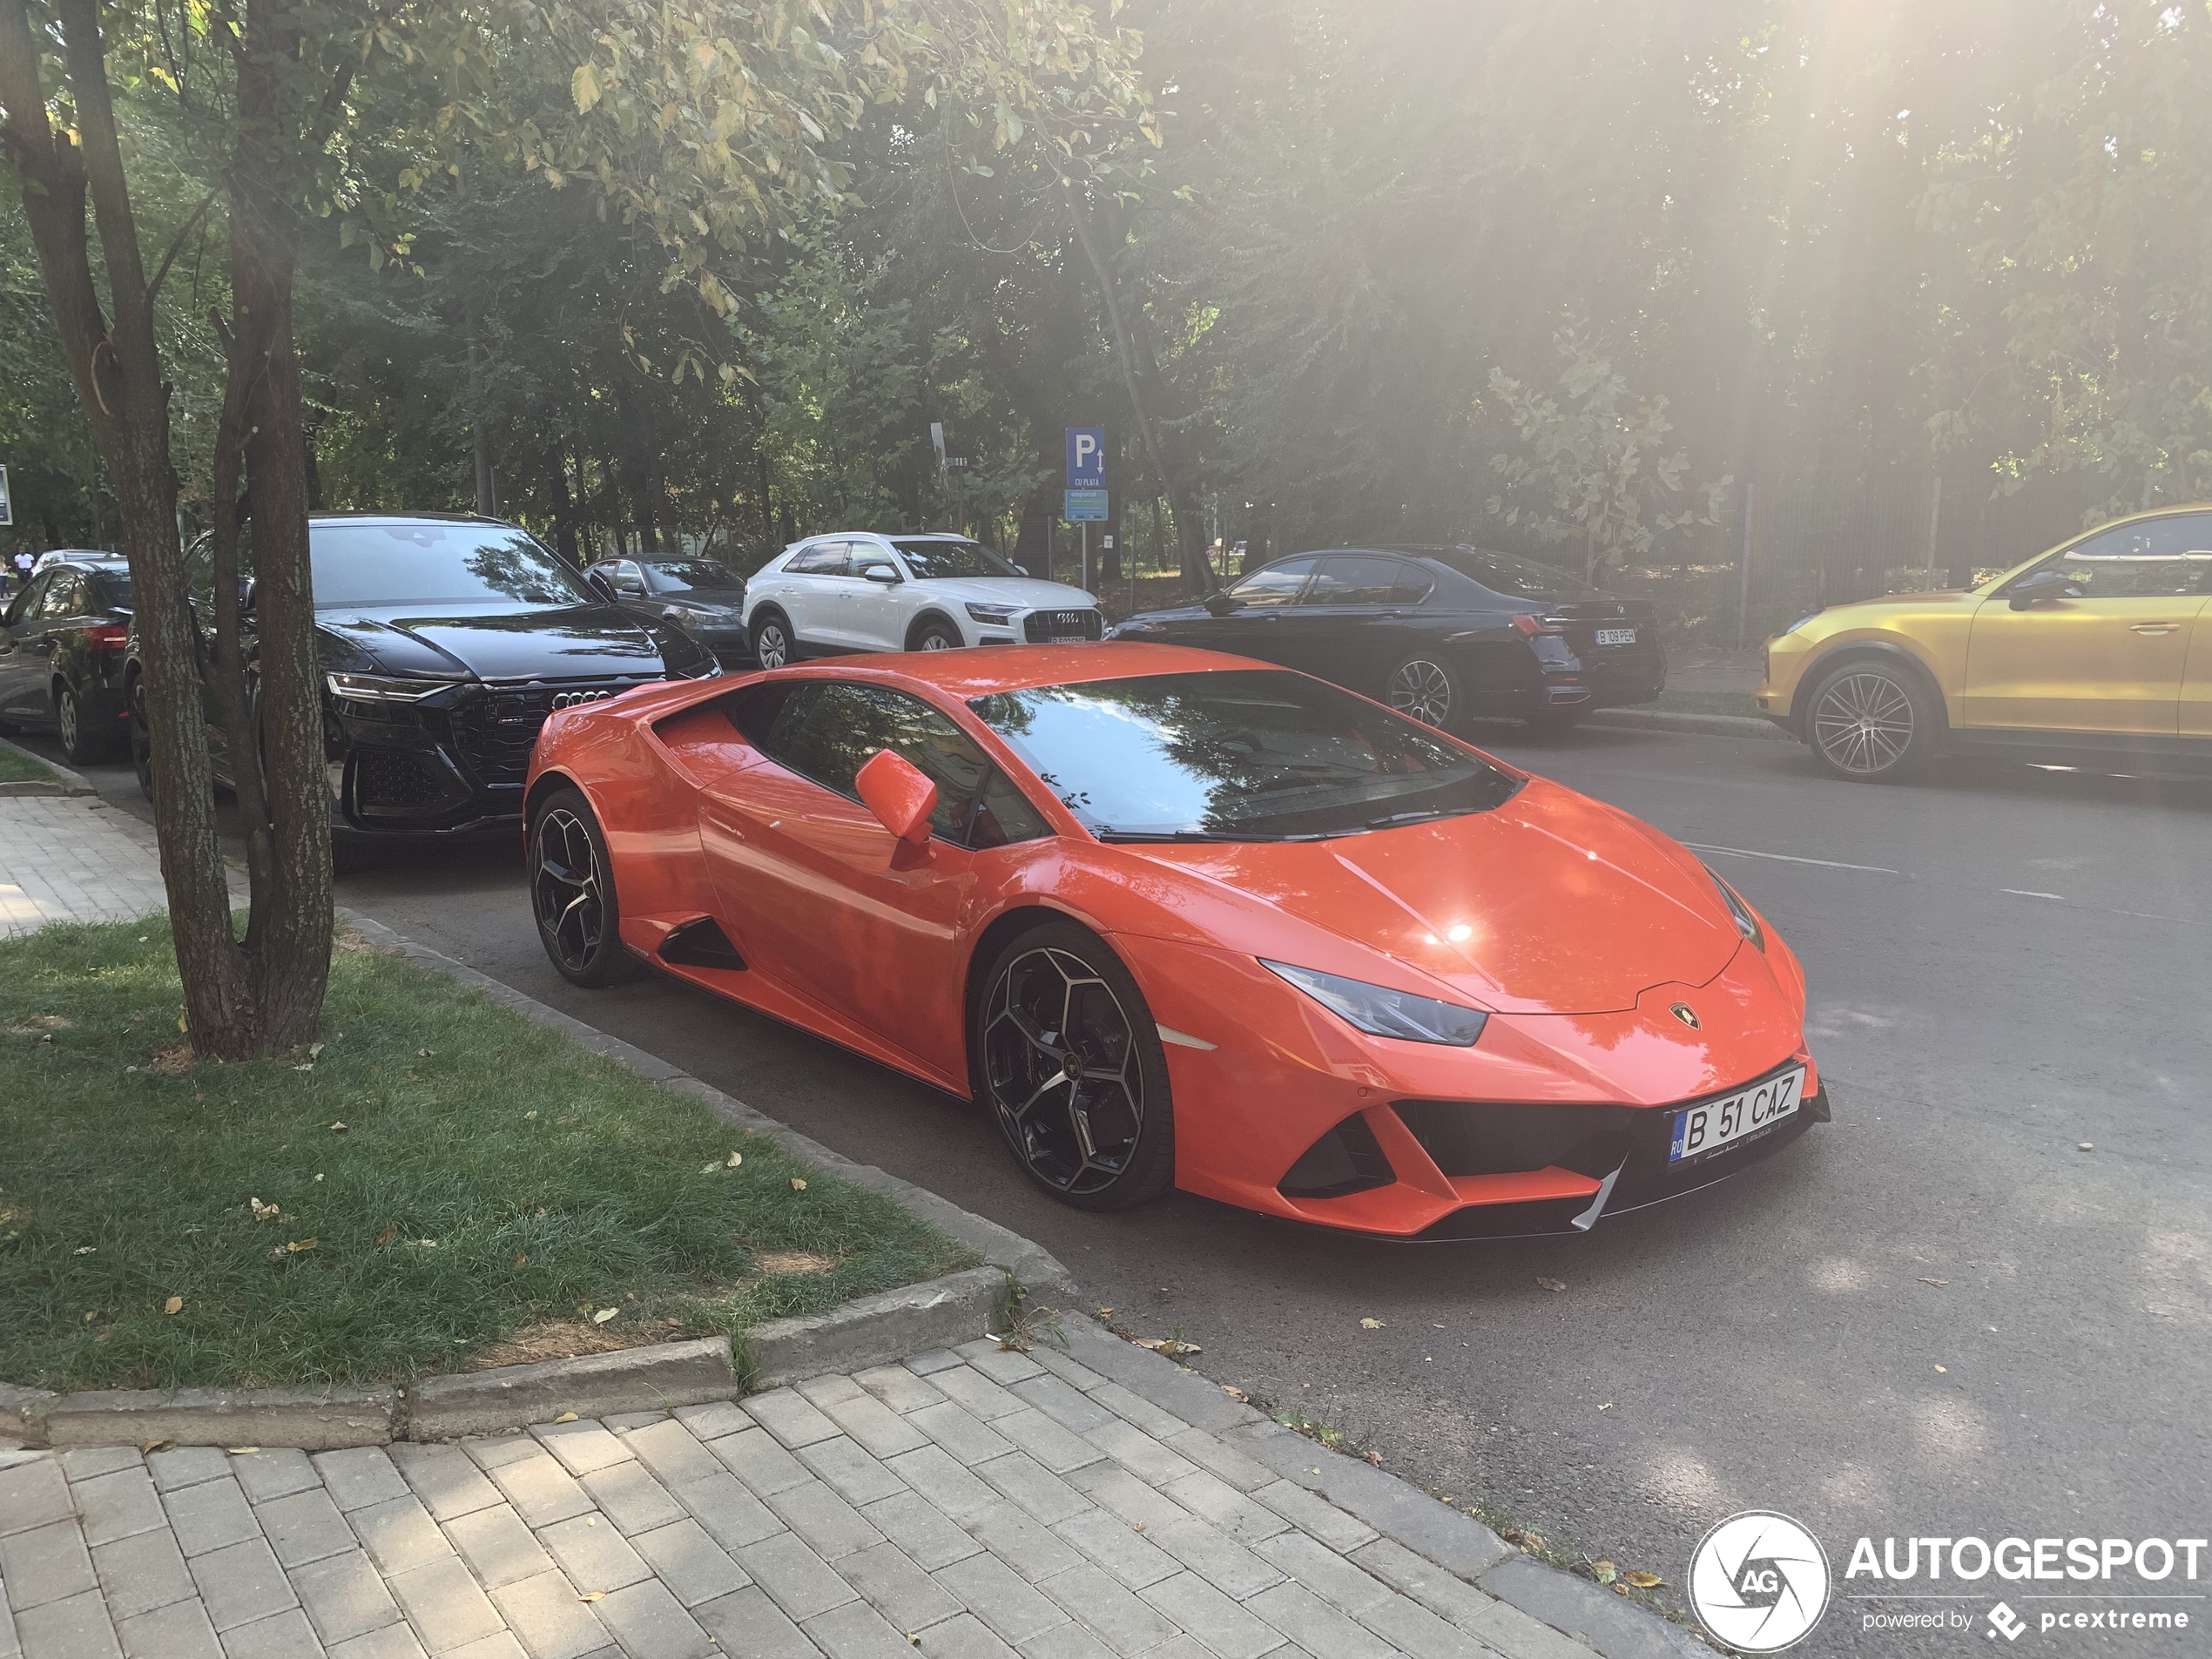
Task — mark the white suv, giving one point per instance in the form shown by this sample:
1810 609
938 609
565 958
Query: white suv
856 592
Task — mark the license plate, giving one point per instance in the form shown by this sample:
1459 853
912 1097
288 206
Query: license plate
1617 636
1700 1129
1070 639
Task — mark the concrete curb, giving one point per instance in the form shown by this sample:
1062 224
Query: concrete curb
875 1329
66 781
505 1397
1710 725
1532 1593
313 1419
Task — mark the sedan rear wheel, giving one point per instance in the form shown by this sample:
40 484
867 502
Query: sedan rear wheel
1872 723
79 745
1067 1058
1426 688
572 893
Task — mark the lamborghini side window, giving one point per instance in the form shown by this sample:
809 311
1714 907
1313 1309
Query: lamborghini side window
828 730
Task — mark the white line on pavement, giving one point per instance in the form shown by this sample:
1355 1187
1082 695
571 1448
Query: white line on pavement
1786 857
2022 893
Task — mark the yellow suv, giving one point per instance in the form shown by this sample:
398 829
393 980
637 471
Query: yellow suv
2101 648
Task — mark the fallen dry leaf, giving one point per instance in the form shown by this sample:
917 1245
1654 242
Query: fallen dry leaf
710 1169
1370 1325
1938 1283
1170 1347
173 1062
531 1113
386 1235
1237 1394
565 1417
337 1128
1102 1314
1606 1571
263 1211
1551 1284
520 1257
175 1303
735 1158
1943 1369
87 1250
243 1451
1644 1581
299 1244
151 1447
798 1185
592 1595
604 1315
423 1054
92 1316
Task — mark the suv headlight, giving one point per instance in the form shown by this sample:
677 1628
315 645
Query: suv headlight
1746 923
997 616
1794 626
378 688
1382 1012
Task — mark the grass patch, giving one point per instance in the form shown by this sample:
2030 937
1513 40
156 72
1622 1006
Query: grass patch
16 768
493 1189
1741 703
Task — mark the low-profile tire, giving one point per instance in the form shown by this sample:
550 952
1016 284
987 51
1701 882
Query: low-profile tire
350 857
79 746
1428 687
934 633
141 739
1067 1060
572 893
772 644
1872 722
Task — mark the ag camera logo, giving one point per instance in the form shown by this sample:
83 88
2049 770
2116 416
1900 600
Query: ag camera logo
1759 1581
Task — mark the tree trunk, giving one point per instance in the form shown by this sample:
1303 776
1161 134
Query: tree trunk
1197 573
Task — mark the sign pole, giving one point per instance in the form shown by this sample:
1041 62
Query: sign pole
1086 563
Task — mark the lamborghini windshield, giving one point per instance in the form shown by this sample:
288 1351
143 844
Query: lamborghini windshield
1255 755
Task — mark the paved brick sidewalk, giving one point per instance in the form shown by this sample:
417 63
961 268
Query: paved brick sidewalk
68 859
970 1504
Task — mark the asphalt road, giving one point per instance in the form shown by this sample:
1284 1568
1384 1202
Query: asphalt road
1938 1316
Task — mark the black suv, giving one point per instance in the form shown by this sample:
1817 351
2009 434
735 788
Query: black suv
445 643
1445 634
63 639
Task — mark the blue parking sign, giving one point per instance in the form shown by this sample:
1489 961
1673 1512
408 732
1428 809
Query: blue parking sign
1086 457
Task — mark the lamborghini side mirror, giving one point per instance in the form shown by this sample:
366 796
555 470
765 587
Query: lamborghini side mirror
900 795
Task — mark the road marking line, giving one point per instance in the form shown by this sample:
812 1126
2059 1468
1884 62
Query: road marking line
1786 857
2022 893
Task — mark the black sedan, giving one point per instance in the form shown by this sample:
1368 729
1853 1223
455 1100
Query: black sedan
703 596
1445 634
62 645
445 644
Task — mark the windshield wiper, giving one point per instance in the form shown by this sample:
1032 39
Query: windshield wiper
1409 818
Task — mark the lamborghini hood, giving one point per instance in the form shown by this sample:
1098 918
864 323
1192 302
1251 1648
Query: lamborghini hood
1552 903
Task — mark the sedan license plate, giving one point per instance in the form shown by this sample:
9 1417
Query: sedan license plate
1701 1129
1617 636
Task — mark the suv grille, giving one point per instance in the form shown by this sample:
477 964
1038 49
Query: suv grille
495 733
1042 627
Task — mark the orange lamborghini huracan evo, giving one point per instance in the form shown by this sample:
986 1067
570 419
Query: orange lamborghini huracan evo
1179 919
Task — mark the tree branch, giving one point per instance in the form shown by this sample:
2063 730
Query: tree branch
175 243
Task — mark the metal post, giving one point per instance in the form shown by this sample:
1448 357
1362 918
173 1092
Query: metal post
1086 558
1935 528
1743 568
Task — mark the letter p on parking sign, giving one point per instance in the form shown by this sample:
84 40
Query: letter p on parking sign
1086 457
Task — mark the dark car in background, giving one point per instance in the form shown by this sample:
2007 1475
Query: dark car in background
703 596
62 640
445 643
1445 634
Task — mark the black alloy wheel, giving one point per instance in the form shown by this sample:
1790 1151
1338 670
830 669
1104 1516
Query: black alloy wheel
572 893
79 745
1871 723
1067 1058
1427 689
772 640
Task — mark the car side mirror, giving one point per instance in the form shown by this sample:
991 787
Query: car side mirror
1221 604
900 795
598 583
882 573
2041 589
